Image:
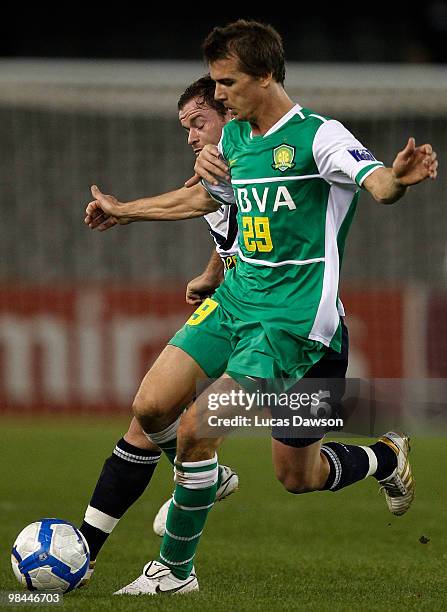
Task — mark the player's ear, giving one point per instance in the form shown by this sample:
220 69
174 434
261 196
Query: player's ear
265 80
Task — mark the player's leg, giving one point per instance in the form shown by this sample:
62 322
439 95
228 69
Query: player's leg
167 388
124 477
206 340
136 437
128 471
228 484
196 481
334 466
305 464
198 352
205 337
300 469
196 476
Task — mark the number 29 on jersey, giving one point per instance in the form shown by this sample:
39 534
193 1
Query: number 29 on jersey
256 234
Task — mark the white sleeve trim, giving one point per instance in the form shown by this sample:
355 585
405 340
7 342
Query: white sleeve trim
370 171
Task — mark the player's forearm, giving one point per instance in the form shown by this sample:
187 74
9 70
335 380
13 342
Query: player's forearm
180 204
214 271
383 185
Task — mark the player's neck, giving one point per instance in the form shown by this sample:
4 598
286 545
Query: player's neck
274 107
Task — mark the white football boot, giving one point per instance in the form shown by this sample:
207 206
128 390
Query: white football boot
399 486
158 579
228 485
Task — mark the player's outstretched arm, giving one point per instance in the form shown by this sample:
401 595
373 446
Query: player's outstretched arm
209 166
202 286
105 211
412 166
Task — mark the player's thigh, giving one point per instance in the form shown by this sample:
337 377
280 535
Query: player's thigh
168 387
135 436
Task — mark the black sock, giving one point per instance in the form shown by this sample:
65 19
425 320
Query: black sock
386 460
124 477
95 538
347 464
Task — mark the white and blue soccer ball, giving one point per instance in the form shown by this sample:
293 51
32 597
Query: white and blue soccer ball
50 555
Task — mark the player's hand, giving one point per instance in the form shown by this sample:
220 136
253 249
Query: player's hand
414 164
200 288
104 211
96 218
209 166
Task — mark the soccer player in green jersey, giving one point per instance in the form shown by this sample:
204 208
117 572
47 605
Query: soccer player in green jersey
295 176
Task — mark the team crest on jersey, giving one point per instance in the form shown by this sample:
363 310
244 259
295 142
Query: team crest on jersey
283 157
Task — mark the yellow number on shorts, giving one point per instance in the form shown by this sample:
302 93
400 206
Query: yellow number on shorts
205 308
256 232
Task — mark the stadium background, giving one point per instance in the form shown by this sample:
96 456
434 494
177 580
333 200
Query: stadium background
82 314
92 98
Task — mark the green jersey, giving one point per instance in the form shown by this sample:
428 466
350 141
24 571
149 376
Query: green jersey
296 188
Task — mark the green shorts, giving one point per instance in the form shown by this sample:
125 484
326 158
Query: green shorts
219 342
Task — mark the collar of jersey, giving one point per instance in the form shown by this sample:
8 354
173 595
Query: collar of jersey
295 110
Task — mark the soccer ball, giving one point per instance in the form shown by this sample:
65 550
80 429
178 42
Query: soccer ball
50 555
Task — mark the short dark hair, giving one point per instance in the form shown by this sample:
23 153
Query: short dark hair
257 46
203 89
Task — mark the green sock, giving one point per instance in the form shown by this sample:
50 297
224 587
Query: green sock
187 514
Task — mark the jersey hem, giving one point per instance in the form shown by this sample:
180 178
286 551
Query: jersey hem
285 262
321 339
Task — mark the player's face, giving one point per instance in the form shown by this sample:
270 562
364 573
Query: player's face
203 124
241 93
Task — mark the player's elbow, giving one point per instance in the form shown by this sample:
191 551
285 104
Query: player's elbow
384 199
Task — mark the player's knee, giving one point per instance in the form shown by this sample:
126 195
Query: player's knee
146 408
297 483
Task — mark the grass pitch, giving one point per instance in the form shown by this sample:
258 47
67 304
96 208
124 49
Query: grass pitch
263 549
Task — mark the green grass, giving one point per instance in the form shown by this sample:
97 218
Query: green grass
263 548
